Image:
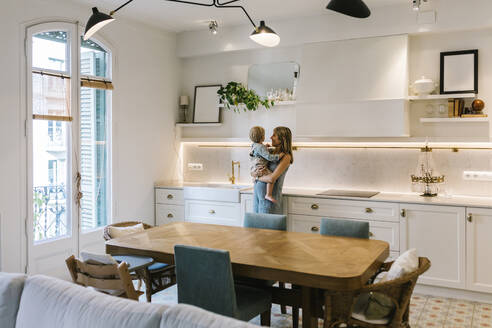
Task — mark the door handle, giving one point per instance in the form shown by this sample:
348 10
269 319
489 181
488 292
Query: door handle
170 196
369 210
469 217
314 206
403 213
314 229
170 215
371 234
211 212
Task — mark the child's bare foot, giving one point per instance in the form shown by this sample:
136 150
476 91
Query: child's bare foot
270 198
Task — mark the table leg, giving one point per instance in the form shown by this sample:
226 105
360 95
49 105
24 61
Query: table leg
307 299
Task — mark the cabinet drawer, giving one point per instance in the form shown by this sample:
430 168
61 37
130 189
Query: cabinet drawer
351 209
385 231
169 196
168 213
224 213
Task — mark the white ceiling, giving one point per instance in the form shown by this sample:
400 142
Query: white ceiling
180 17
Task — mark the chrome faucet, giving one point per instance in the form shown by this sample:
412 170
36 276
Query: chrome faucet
232 178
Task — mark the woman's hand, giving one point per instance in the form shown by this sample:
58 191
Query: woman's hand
281 167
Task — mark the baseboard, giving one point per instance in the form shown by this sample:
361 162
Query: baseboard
453 293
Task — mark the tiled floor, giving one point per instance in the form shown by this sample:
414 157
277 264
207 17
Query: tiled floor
425 311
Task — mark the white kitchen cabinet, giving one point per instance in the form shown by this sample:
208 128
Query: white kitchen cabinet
386 231
438 233
350 209
224 213
246 204
169 205
165 213
479 249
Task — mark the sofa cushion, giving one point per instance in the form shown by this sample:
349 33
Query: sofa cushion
51 303
188 316
116 232
11 285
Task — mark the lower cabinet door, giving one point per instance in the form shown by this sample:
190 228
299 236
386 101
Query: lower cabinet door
479 249
379 230
168 213
224 213
438 233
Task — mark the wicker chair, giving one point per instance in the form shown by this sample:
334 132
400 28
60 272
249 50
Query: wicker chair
339 305
157 276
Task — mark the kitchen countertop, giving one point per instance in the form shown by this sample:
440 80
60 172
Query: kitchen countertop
414 198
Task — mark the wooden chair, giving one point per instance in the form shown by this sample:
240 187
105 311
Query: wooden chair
339 306
112 279
157 276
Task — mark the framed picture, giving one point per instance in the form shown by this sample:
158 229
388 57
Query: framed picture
459 72
206 104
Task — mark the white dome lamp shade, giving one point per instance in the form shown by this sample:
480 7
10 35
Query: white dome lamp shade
352 8
96 22
265 36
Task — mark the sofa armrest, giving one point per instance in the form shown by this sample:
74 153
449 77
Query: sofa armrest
11 287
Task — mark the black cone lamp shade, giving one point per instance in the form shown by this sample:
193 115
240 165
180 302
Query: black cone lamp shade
96 22
353 8
265 36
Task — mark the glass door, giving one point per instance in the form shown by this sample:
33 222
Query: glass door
52 142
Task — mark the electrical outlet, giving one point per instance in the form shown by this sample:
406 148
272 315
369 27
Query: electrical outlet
195 166
477 175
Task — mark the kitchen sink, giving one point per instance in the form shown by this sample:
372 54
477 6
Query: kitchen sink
214 192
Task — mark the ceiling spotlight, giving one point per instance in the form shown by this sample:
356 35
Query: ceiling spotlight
416 4
213 26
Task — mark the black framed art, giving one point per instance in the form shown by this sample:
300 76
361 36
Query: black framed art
459 72
206 104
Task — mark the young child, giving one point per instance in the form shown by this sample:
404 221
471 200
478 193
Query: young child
259 158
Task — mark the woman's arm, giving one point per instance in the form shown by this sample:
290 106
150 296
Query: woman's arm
281 167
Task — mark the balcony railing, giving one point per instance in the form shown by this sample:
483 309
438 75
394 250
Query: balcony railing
50 207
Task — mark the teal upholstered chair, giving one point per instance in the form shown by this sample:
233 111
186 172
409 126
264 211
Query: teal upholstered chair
344 228
205 280
265 221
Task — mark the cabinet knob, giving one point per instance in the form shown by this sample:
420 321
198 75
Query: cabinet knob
170 196
170 215
403 213
369 210
314 206
371 234
314 229
469 217
211 212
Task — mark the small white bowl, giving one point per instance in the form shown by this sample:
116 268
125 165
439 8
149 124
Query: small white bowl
424 86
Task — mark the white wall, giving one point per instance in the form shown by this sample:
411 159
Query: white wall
452 15
144 106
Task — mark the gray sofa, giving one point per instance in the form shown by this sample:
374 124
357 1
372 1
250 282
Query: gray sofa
45 302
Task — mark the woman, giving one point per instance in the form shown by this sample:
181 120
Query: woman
282 141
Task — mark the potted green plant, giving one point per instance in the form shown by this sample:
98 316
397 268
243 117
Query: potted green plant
235 95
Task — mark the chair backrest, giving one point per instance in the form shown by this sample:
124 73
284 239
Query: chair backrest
205 279
107 233
113 279
265 221
344 228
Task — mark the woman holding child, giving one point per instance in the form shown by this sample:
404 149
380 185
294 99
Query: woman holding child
269 168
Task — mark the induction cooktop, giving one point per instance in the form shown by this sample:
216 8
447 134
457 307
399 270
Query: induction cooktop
349 193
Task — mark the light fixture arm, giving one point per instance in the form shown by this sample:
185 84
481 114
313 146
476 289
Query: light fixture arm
215 3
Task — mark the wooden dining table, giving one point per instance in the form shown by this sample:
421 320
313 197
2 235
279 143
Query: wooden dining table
311 261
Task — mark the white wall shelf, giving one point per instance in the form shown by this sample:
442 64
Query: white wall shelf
442 97
195 125
453 119
284 103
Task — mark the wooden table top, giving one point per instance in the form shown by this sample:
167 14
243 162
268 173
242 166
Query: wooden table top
311 260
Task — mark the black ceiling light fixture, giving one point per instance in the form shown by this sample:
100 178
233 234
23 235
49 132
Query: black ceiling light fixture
262 34
353 8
